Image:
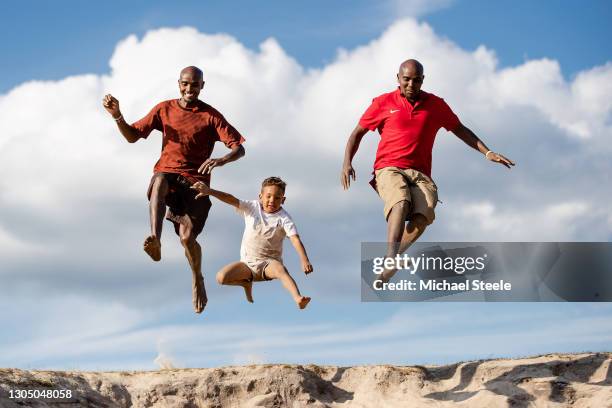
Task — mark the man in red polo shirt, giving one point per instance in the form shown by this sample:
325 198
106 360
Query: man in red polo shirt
190 129
407 120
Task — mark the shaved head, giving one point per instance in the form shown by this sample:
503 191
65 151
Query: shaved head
195 71
190 84
410 78
411 63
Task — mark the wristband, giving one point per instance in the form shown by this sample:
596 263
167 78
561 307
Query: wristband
487 154
117 119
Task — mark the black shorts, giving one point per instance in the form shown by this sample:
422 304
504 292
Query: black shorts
183 208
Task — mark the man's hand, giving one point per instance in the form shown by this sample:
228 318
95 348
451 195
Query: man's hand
306 266
111 104
498 158
202 189
345 176
210 164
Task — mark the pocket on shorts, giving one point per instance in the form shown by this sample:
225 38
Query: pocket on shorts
392 183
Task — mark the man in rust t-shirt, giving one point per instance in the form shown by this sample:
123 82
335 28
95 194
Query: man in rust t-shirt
190 129
408 120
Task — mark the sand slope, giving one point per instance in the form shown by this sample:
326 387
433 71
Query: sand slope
554 380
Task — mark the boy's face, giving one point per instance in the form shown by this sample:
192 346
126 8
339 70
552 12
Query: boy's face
271 198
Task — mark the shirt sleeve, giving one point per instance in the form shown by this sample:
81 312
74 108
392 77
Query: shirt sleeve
246 208
146 125
448 119
289 227
227 133
372 117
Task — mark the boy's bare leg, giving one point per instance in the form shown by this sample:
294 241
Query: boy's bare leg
414 229
157 210
237 274
276 270
193 252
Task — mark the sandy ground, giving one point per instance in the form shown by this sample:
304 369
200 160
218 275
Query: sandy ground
553 380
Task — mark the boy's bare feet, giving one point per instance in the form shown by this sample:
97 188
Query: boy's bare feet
302 301
199 293
152 246
248 291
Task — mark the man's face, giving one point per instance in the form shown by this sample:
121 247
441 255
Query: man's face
190 85
410 79
271 198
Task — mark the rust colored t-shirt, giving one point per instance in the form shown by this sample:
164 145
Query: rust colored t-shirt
189 136
407 132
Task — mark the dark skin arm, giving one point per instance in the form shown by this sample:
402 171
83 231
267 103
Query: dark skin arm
352 145
111 104
470 139
236 153
203 190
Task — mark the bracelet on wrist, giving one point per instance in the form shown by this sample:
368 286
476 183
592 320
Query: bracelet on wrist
118 118
487 154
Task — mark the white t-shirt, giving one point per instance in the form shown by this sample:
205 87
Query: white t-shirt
263 232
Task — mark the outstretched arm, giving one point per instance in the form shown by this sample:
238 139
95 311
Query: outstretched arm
351 148
469 138
111 104
236 153
301 251
204 190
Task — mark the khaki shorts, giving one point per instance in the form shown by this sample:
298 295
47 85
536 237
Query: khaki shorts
395 185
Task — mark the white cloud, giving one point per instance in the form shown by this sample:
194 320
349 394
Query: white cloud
548 223
16 247
581 108
67 152
402 337
72 202
71 163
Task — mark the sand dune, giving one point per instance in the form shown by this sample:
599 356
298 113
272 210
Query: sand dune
553 380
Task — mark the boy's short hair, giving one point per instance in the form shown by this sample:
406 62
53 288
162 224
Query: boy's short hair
274 181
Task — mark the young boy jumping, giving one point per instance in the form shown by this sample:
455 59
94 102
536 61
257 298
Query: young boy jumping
266 225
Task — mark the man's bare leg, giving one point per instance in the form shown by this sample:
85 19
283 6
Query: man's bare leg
276 270
414 229
237 274
157 210
193 252
395 226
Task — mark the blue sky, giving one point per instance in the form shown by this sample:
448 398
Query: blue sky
532 79
81 36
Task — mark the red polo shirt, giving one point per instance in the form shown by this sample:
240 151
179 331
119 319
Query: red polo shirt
407 132
189 136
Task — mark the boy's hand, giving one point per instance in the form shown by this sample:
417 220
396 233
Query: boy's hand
202 189
307 266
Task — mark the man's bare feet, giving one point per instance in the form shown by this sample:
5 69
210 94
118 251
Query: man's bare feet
199 294
387 274
152 246
302 301
248 291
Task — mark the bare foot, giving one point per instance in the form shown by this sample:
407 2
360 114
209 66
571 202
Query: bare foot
387 274
248 291
302 301
199 294
152 246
